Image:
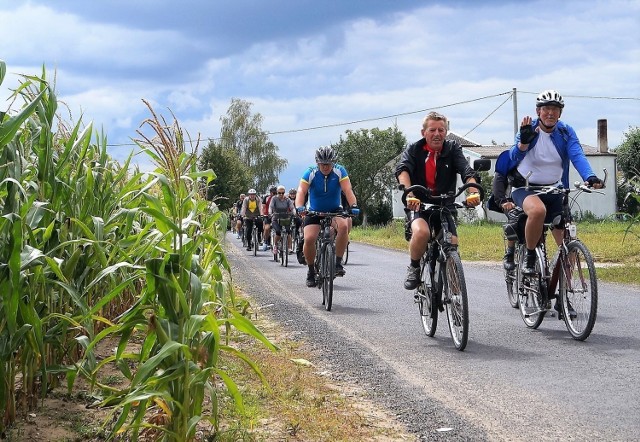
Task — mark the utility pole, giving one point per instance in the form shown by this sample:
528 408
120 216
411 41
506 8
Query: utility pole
515 112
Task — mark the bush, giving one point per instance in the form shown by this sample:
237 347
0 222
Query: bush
380 214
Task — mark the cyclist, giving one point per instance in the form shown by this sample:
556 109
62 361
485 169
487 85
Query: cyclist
323 183
434 163
297 221
281 204
250 212
267 220
544 147
500 201
237 207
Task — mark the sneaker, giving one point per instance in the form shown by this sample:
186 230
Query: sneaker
300 256
413 278
311 278
507 262
340 271
263 247
529 267
249 248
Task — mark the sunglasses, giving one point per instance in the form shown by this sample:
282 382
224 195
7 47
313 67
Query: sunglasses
280 193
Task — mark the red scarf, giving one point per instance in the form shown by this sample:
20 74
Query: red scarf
430 167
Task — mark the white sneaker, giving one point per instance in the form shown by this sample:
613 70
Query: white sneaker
264 247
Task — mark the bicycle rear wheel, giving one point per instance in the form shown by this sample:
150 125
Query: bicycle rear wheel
579 291
455 300
511 278
255 241
329 274
530 294
426 302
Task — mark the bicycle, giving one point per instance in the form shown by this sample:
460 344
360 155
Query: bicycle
281 249
571 270
442 286
255 235
325 262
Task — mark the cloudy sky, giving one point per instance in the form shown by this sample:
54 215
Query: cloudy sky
314 69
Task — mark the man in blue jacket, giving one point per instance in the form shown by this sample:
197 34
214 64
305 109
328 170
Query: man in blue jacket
543 148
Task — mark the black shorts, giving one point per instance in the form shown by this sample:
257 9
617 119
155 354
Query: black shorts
315 219
432 217
552 202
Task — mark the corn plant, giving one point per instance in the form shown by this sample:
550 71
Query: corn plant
185 308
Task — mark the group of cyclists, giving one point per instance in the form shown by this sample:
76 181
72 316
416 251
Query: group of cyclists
323 188
543 149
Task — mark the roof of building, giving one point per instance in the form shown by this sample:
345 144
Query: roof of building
493 150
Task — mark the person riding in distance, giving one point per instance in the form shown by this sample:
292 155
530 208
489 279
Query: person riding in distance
297 221
323 183
543 148
237 208
279 205
267 219
434 163
250 212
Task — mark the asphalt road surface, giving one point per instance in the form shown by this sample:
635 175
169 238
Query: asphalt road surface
511 382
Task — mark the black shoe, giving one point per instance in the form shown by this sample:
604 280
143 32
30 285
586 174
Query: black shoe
249 248
311 278
300 257
413 278
572 313
507 262
340 271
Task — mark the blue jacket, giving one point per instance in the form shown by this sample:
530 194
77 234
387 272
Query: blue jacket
565 140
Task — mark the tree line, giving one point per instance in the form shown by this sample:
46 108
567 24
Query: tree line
243 157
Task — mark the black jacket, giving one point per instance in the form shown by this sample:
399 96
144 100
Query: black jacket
450 163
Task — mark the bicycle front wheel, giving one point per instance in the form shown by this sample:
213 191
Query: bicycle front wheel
345 258
579 291
283 249
255 241
426 299
455 300
329 274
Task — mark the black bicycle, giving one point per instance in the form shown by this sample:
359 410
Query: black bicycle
325 262
281 248
255 235
571 270
442 286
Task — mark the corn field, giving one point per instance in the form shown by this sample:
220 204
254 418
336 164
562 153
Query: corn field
91 249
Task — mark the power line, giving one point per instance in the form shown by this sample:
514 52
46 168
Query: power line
487 117
402 114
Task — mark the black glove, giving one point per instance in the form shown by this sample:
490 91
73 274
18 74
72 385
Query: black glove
594 180
527 134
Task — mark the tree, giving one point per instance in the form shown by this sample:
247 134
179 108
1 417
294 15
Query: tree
242 132
232 175
370 156
629 162
629 153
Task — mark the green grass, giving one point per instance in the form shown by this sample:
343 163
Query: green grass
609 242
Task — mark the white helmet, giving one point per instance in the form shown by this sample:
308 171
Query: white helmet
252 192
550 98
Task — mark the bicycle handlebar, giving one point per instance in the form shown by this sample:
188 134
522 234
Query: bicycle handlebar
344 214
422 193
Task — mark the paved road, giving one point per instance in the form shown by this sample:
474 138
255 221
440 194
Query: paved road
511 383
